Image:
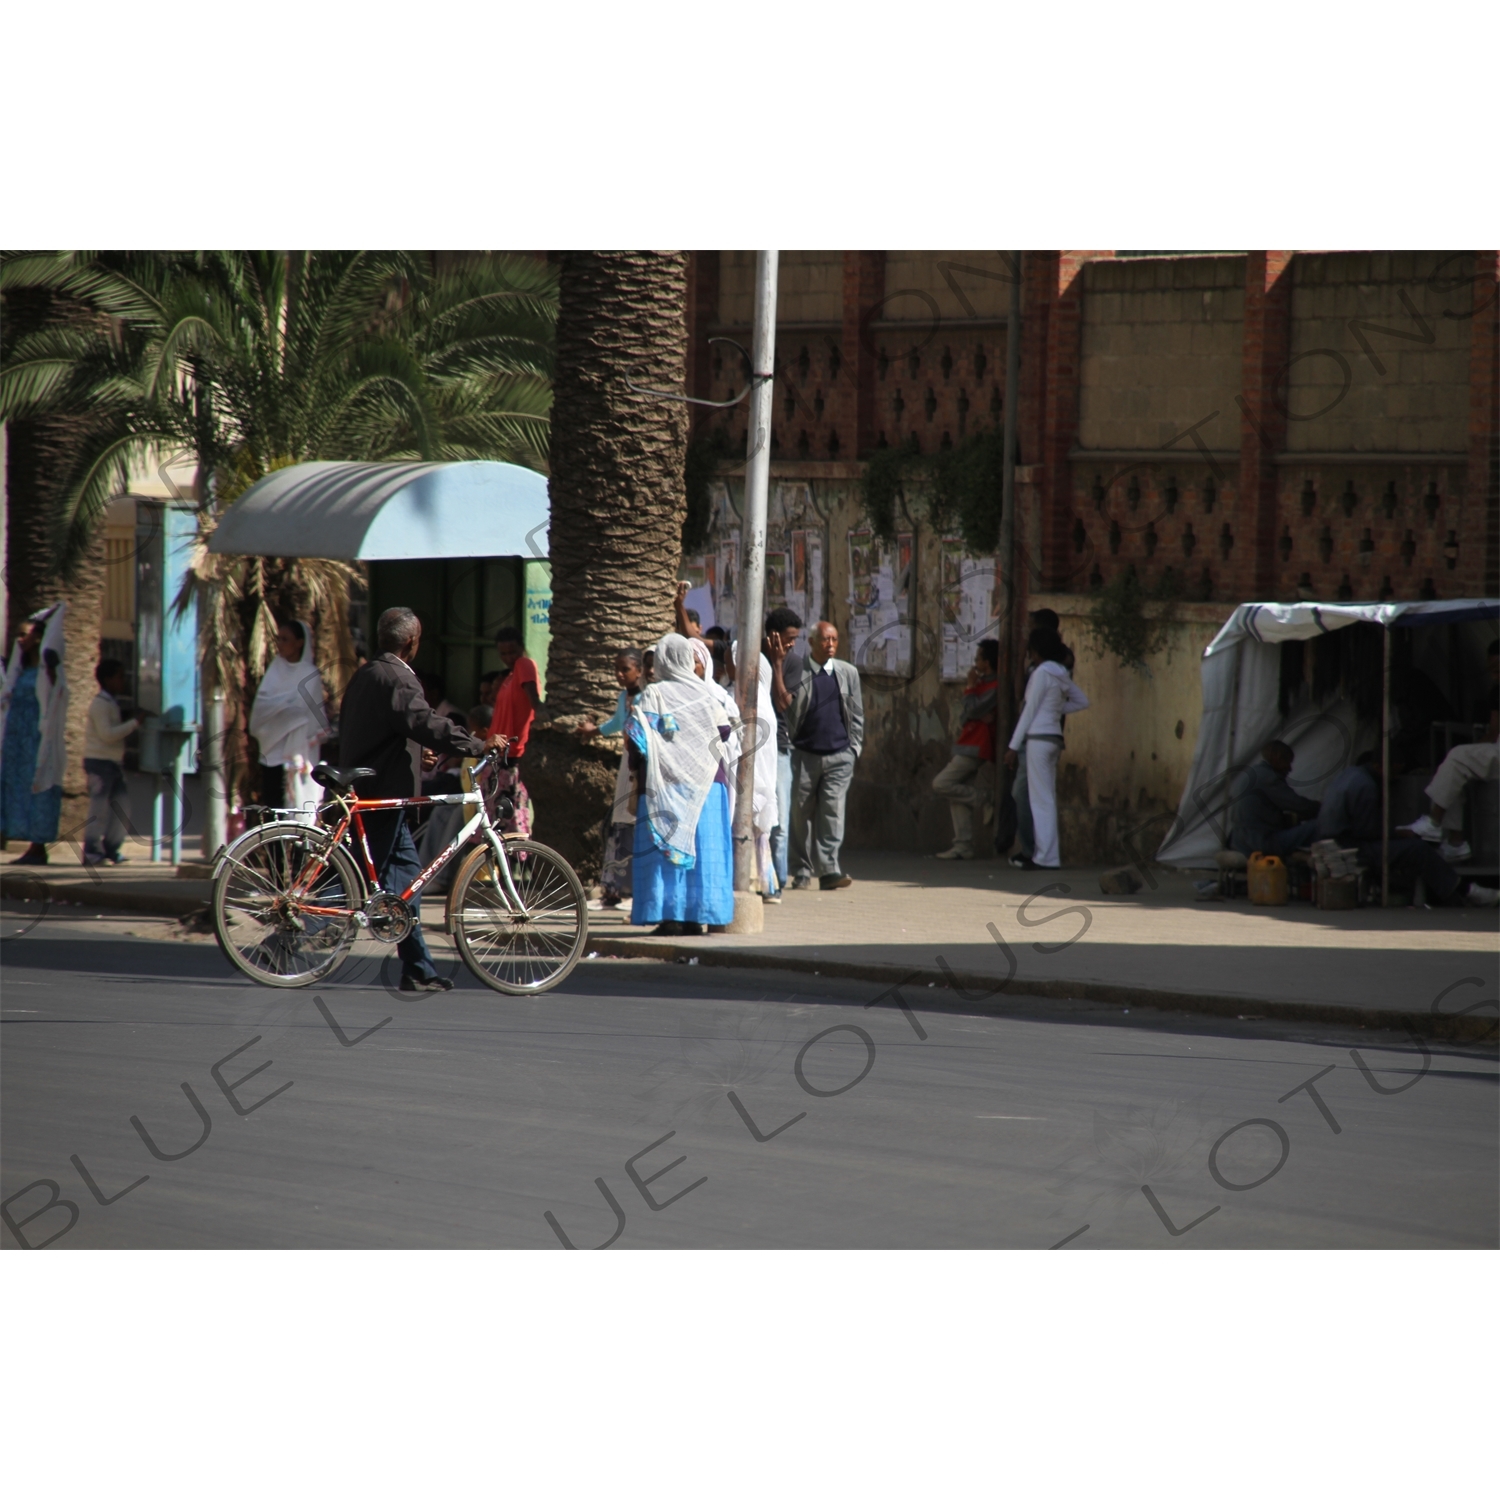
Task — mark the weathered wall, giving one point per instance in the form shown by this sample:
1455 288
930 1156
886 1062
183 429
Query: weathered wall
1128 756
1373 370
1161 351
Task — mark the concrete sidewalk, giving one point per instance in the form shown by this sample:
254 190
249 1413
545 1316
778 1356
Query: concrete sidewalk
978 933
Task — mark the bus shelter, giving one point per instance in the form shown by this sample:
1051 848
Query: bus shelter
464 544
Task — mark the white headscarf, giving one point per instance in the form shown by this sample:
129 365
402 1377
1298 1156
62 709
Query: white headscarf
679 726
52 699
764 732
288 719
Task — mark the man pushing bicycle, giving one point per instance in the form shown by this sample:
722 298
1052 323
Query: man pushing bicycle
384 720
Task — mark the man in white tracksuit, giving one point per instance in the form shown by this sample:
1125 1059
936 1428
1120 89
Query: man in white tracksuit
1050 694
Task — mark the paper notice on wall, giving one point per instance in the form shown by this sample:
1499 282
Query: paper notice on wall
968 606
880 593
701 600
804 582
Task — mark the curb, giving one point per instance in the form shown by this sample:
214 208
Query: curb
976 993
953 989
86 893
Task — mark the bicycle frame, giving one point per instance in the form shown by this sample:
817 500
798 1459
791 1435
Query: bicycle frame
353 807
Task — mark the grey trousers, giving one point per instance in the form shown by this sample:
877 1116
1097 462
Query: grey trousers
820 785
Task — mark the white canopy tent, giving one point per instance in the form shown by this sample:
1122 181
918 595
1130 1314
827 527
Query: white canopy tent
1241 683
390 512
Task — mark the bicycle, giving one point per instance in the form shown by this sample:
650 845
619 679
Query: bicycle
290 899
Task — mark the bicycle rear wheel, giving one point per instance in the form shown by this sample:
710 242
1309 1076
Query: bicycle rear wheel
519 952
274 925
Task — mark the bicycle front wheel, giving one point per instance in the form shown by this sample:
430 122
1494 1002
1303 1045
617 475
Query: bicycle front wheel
284 905
519 951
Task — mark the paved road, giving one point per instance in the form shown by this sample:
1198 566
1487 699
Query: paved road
611 1105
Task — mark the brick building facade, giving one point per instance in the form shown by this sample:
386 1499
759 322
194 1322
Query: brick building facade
1271 425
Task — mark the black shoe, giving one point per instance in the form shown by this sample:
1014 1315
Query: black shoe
32 856
835 882
667 929
802 883
411 984
693 929
1023 862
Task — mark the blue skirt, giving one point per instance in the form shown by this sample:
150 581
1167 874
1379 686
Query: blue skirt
668 893
25 814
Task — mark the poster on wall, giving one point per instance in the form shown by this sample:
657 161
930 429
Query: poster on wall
804 582
968 606
700 574
880 598
795 559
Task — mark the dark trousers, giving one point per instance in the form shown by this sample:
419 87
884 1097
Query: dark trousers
1411 858
395 854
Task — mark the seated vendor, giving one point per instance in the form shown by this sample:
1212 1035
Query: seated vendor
1444 825
1259 824
1351 816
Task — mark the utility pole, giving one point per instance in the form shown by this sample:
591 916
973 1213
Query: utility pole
749 913
1008 499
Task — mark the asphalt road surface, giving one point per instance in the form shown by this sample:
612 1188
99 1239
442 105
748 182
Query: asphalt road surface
658 1106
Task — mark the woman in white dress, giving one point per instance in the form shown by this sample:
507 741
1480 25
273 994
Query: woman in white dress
289 722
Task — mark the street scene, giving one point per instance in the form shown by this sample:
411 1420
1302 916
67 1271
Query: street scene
1105 852
835 871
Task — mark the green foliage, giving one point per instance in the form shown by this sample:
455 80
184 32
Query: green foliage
968 485
251 360
1120 622
959 490
707 455
246 358
884 488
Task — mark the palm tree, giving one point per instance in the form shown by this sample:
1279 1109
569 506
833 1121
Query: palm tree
618 504
618 500
251 360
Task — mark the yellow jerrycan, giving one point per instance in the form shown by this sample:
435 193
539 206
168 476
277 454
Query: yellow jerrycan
1267 880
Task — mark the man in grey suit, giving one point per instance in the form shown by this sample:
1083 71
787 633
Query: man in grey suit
826 725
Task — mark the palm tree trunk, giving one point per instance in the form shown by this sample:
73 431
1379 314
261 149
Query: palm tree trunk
36 451
36 457
618 501
618 505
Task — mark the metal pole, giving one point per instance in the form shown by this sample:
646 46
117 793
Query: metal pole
215 806
156 796
1006 697
753 560
179 814
1385 773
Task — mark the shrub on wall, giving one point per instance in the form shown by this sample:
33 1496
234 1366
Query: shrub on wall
958 491
1121 624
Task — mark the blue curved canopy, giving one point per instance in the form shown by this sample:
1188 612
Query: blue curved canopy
390 511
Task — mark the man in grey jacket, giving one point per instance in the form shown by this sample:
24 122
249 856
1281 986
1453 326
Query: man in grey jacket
826 725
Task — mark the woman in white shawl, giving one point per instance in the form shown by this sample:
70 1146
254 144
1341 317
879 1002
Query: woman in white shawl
289 722
765 814
677 741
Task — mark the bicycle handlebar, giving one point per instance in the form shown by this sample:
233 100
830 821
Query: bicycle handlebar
486 762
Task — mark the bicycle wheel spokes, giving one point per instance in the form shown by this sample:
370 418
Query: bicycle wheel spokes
525 951
284 903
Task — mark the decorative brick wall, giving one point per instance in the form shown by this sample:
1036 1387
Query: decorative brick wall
1190 412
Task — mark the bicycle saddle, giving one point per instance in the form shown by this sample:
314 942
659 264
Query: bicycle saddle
326 775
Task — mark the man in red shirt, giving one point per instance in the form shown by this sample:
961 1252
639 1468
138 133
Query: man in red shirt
516 703
964 781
